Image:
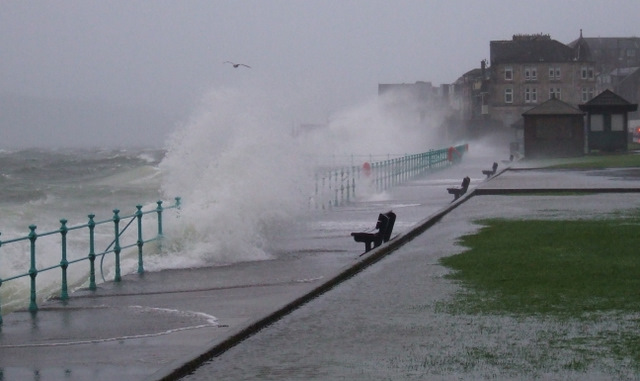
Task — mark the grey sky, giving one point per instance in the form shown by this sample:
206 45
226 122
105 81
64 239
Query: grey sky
327 55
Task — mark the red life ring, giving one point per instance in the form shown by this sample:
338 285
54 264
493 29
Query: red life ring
366 169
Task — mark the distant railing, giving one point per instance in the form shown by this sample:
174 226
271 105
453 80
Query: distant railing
115 247
337 186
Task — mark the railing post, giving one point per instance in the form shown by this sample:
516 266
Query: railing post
315 198
140 241
116 246
0 288
160 236
322 191
92 253
355 172
349 176
64 293
33 271
342 186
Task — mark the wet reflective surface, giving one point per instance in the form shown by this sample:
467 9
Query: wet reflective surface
387 323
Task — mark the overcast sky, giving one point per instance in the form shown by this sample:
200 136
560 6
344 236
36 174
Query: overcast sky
328 55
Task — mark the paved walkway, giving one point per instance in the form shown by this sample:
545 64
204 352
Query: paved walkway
150 326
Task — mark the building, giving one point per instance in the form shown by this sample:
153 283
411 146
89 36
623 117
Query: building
616 64
607 121
470 97
531 69
411 100
610 53
553 129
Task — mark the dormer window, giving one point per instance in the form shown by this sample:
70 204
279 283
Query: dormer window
508 73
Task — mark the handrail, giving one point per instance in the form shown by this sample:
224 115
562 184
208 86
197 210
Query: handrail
91 256
337 186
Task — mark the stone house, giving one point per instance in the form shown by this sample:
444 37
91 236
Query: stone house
617 65
530 69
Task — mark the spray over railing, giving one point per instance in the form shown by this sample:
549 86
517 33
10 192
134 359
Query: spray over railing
115 248
337 186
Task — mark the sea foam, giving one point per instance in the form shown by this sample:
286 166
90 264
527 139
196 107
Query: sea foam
240 172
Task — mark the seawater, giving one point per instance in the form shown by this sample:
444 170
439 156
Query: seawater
225 215
40 187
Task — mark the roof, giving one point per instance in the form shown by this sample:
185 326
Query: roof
530 50
608 98
606 43
624 71
553 106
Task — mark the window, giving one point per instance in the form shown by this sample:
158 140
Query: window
617 122
555 93
530 73
596 122
530 95
586 72
554 73
508 95
631 52
587 93
508 73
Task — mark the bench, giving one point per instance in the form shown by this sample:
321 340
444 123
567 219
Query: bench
457 192
491 171
384 226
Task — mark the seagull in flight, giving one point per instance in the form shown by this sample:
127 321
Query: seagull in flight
235 65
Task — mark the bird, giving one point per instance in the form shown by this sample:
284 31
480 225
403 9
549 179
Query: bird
235 65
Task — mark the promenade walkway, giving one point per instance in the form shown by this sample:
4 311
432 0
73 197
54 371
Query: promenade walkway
156 326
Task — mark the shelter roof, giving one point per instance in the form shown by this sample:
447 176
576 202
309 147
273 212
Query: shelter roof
553 106
608 98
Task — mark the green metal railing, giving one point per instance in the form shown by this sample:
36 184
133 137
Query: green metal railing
115 247
337 186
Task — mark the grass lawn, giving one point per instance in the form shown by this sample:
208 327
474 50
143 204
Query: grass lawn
604 160
564 270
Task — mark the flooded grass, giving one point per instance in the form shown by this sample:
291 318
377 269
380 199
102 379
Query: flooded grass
583 275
